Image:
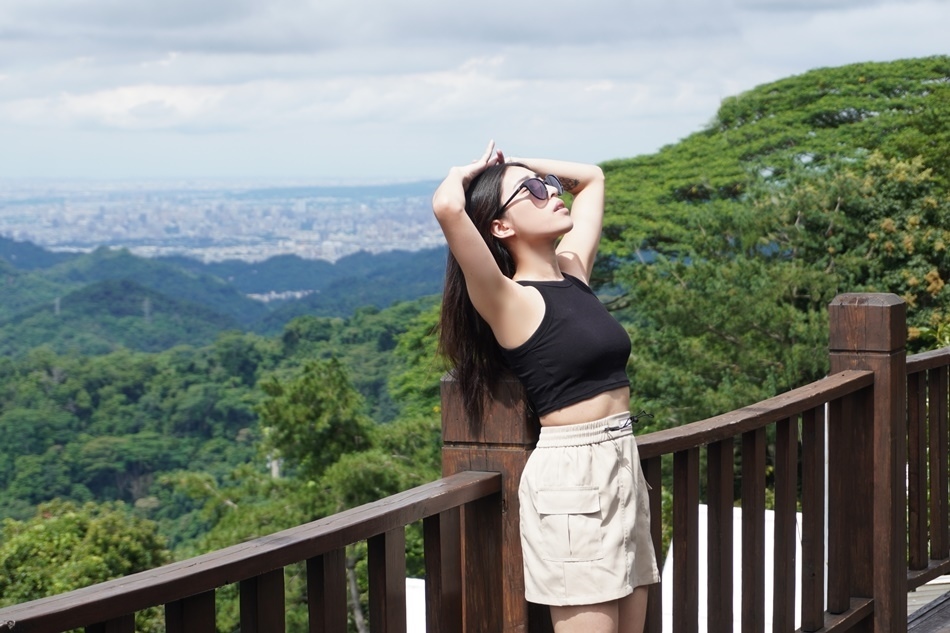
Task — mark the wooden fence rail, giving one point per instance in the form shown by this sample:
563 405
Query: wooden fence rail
928 382
744 430
186 588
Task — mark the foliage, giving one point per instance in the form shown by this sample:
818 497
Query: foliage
370 344
312 419
177 434
67 546
106 427
725 249
414 380
868 224
898 108
102 427
94 303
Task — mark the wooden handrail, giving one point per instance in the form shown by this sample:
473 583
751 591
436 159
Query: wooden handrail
928 360
758 415
176 581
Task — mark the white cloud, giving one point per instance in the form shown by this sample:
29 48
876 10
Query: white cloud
402 89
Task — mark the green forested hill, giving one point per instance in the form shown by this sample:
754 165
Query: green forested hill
190 302
360 280
41 286
354 281
832 181
28 256
277 274
901 109
199 288
102 316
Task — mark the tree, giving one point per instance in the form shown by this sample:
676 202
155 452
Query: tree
741 315
898 108
313 418
414 381
66 546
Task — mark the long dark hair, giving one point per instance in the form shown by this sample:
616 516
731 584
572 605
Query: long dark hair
464 336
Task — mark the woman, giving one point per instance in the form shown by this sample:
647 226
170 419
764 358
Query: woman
517 297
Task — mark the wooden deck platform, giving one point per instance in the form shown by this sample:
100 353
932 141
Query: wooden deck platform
928 608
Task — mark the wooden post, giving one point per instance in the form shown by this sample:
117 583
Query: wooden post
869 332
492 578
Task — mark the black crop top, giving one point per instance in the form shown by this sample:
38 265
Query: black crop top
578 351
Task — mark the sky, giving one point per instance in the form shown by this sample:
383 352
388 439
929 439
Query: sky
382 90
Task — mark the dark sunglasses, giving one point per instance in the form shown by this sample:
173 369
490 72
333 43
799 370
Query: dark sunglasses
537 188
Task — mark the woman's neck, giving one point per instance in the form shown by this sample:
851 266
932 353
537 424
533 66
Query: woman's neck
536 267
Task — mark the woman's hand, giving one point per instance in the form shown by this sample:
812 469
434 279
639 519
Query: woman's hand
450 195
492 156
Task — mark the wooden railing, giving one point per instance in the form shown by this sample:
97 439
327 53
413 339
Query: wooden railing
186 589
927 467
869 443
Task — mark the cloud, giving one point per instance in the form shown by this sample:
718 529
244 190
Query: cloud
404 86
51 29
806 6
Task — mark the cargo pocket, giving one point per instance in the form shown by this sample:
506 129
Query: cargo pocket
571 524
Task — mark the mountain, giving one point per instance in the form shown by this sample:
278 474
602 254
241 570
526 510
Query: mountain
199 288
190 302
898 108
833 181
105 315
283 273
29 256
366 280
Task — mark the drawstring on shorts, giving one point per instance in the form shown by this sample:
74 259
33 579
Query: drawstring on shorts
624 425
630 421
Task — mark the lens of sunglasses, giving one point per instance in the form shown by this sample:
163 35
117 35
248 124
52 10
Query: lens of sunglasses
537 188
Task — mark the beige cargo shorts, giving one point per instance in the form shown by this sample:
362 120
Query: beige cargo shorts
585 515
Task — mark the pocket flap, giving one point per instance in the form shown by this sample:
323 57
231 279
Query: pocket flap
573 500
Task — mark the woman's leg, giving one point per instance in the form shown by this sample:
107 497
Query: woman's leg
587 618
626 615
633 611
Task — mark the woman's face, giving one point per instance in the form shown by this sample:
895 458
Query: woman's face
528 213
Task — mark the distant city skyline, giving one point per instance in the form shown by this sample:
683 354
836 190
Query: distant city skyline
216 223
336 91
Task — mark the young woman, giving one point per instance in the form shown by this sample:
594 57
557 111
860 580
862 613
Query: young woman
517 298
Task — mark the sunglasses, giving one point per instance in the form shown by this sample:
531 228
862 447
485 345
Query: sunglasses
537 188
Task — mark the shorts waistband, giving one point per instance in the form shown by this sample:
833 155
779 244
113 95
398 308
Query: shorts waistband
585 433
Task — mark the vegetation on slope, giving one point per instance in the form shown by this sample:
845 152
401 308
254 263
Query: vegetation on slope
832 181
96 303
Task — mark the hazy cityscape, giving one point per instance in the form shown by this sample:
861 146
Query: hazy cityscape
215 221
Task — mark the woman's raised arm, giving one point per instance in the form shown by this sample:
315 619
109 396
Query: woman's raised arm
485 282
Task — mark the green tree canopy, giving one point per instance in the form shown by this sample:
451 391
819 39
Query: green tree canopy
314 417
66 546
721 252
741 314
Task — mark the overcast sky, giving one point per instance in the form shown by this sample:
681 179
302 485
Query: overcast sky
381 89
